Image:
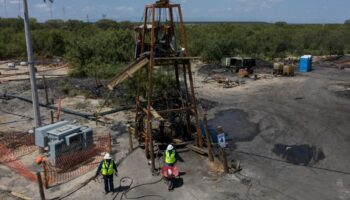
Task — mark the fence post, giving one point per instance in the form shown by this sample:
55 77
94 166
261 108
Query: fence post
40 183
224 160
210 151
51 112
130 138
46 183
109 143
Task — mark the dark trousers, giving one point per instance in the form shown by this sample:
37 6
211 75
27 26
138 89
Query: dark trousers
109 186
170 165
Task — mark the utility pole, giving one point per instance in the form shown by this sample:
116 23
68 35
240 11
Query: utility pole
31 65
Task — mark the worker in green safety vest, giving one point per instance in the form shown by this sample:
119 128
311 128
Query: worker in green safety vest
169 156
107 168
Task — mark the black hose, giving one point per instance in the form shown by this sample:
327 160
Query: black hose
12 122
15 114
124 194
65 110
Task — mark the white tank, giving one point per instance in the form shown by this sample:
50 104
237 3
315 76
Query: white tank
23 63
11 65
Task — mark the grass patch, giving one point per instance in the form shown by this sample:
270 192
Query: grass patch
82 105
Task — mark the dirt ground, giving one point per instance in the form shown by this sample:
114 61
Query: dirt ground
291 135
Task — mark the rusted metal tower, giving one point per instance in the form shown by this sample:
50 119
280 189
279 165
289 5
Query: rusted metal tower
162 40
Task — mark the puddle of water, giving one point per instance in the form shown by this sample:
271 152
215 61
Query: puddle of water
299 154
343 94
236 124
207 104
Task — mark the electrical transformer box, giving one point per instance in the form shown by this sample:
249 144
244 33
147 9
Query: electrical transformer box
63 138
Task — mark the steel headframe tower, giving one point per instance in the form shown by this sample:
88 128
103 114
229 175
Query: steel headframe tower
149 34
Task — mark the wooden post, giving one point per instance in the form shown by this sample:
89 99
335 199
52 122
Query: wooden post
210 151
45 88
46 183
130 138
41 188
51 112
224 160
109 143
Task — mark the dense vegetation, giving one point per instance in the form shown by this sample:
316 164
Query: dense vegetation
101 48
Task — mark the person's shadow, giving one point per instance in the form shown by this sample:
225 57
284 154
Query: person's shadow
125 184
178 182
121 188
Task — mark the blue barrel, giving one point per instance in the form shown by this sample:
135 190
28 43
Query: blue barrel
305 63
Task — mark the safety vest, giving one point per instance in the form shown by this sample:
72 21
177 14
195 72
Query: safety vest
107 170
170 157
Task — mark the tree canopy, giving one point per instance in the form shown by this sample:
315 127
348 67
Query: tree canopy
106 45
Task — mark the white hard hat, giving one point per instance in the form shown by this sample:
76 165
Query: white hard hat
170 147
107 156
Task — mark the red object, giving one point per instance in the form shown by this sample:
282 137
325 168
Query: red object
170 172
39 160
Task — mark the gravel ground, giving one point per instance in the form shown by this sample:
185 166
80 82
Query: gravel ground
291 135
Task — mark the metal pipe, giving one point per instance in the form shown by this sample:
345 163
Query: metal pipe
65 110
31 65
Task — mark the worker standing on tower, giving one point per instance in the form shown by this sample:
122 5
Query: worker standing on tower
107 167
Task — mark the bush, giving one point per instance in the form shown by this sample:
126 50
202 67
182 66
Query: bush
108 45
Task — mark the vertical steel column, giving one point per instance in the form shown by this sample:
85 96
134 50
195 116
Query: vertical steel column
171 16
31 65
138 105
184 45
150 73
188 118
208 136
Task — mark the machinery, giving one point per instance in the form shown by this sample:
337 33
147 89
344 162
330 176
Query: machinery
62 139
239 63
166 111
170 174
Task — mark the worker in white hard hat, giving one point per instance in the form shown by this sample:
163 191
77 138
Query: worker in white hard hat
106 168
169 156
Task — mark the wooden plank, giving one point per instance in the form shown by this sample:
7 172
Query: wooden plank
126 73
178 58
196 149
21 196
154 113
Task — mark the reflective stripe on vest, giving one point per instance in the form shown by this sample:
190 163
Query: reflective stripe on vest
169 157
107 170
